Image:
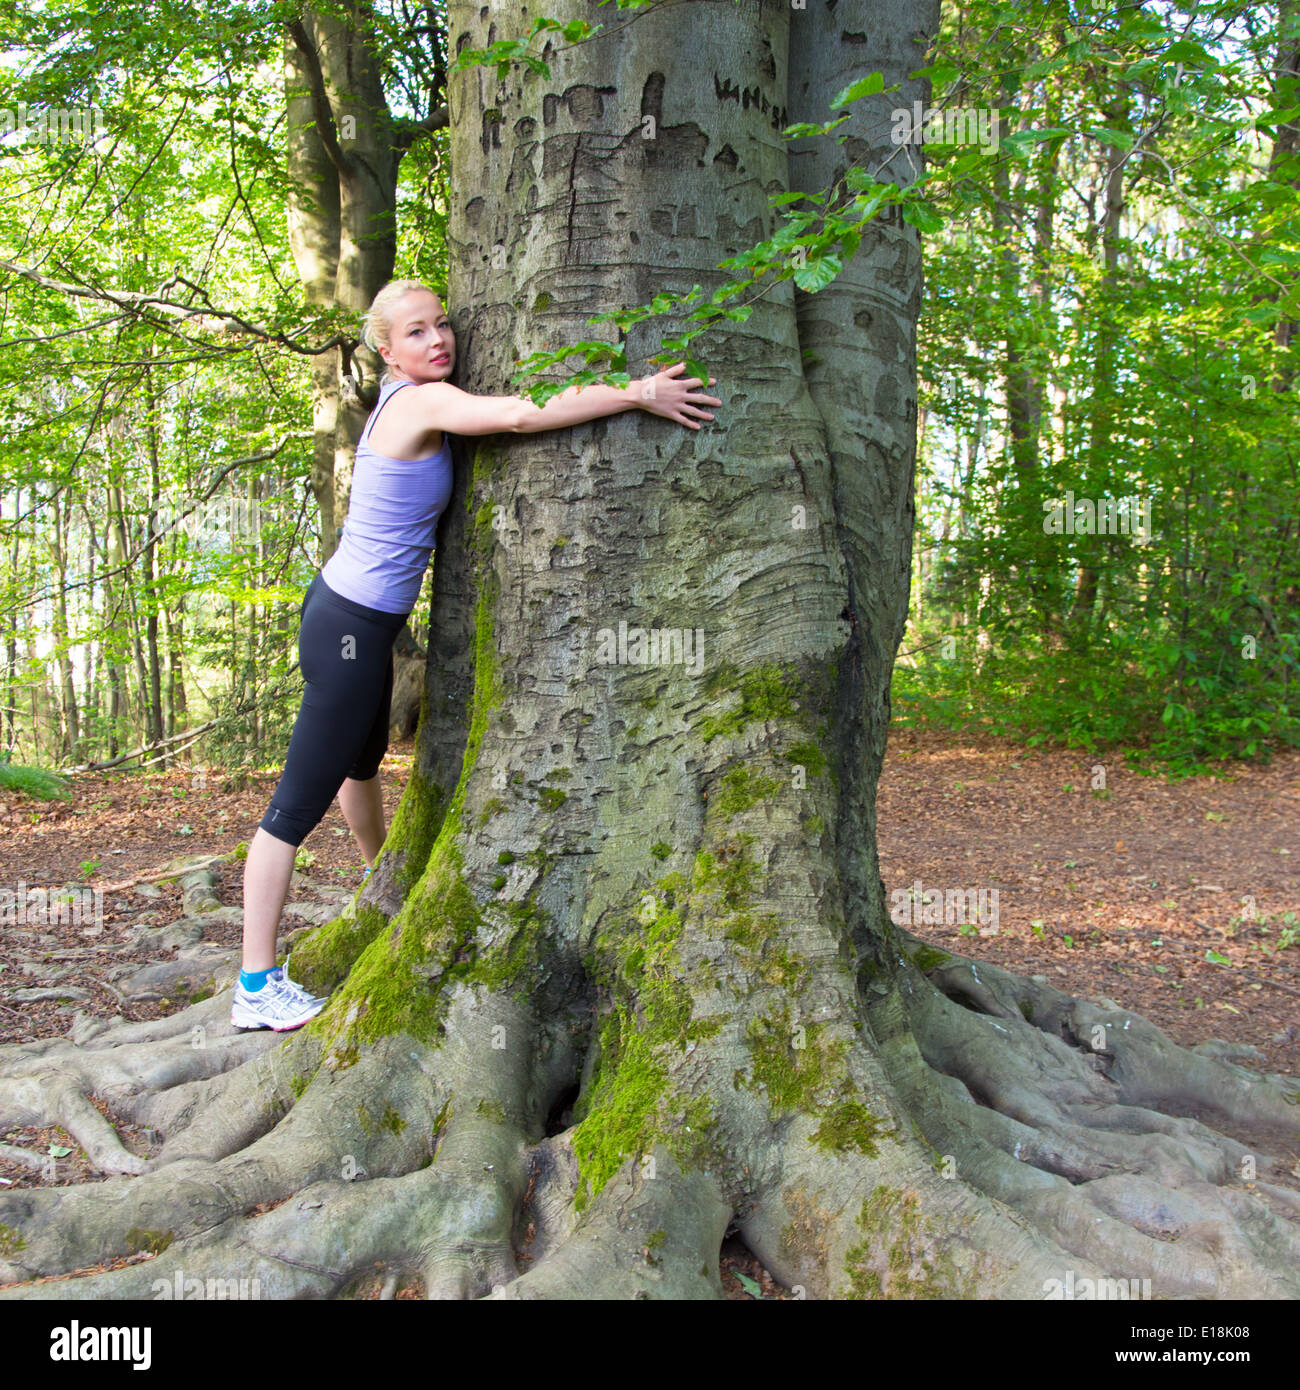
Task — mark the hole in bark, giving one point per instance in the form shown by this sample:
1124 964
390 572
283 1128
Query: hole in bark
561 1116
742 1273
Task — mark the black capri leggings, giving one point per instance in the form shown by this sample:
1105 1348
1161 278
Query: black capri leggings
345 651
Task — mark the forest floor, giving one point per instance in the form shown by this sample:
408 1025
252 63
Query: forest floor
1179 900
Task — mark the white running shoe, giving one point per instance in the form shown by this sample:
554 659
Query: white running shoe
280 1004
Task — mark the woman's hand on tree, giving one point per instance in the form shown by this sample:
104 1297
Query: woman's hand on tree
676 398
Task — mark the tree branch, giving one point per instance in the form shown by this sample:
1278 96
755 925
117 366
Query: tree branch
135 302
408 131
319 97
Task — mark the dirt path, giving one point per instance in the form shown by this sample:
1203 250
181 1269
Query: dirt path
1126 889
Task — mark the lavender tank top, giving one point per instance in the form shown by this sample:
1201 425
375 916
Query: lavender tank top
388 535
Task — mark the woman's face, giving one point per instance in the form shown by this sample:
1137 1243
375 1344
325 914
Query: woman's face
421 346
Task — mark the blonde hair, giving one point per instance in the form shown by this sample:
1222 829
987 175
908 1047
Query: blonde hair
378 325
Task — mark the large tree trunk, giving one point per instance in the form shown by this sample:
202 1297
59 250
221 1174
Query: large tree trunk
624 976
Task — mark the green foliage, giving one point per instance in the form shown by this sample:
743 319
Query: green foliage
1147 360
33 781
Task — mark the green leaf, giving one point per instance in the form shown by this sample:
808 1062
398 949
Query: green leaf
1123 139
58 1151
816 274
923 217
940 74
867 86
1185 51
1217 958
748 1284
1040 69
802 130
1019 141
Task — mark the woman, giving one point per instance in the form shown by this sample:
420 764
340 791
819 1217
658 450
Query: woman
360 600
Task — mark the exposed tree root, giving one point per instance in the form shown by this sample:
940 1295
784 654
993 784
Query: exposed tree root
1092 1124
886 1221
642 1237
311 1246
326 1133
247 1139
1009 1145
500 1101
134 1068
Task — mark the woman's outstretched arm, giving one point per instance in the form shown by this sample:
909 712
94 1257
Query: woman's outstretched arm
446 407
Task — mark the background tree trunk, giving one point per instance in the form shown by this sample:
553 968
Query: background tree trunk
1099 465
343 160
70 731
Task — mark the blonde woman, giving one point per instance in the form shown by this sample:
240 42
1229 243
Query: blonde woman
360 600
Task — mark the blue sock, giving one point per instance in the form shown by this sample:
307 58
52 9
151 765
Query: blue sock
253 980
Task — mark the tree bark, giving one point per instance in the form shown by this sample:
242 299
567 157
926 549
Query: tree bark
11 641
153 695
1102 405
342 210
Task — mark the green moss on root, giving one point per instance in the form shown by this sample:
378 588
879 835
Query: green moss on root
390 1120
806 1080
139 1241
631 1106
849 1125
322 960
912 1248
632 1103
928 957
